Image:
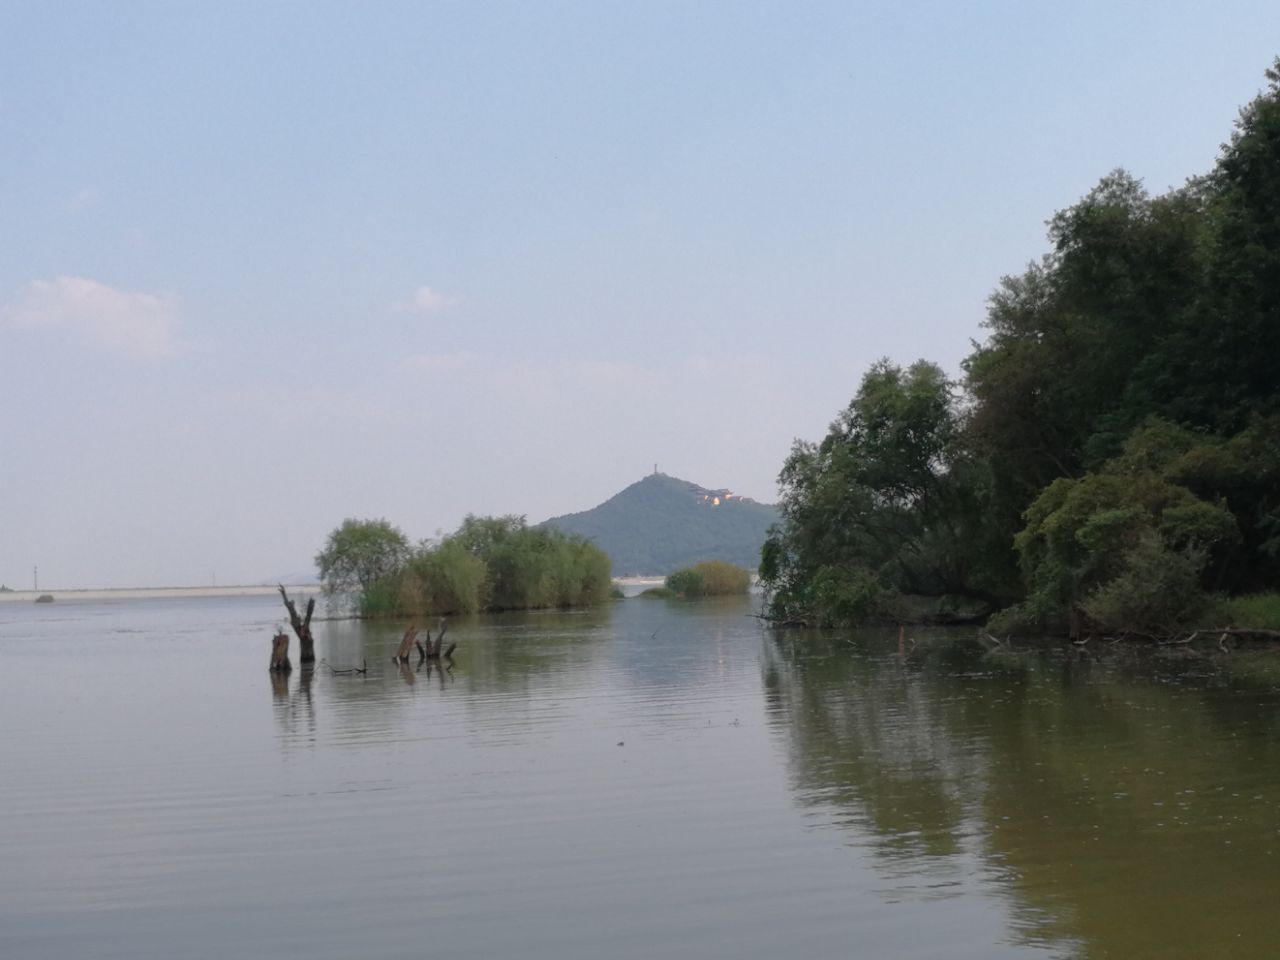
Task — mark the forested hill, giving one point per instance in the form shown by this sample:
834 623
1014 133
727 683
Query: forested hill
660 524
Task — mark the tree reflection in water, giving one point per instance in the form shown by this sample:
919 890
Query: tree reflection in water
1127 804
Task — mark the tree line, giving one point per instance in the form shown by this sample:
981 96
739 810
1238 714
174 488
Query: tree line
1110 456
488 563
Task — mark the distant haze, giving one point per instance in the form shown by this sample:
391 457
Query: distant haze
270 266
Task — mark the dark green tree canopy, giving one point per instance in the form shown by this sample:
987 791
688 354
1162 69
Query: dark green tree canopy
888 504
1119 424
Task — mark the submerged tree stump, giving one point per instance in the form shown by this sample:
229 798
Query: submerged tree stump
407 644
302 627
431 650
280 653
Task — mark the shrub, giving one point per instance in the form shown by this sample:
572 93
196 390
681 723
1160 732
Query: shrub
843 597
711 578
1259 611
1156 592
1089 543
685 583
492 563
443 579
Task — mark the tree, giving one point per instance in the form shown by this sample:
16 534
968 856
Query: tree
1119 427
888 505
492 563
1127 550
359 553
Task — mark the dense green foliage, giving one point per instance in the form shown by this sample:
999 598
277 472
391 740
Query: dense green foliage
711 578
1254 611
1111 458
660 524
359 553
888 505
493 563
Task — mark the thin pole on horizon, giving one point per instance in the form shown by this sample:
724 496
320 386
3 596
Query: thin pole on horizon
35 577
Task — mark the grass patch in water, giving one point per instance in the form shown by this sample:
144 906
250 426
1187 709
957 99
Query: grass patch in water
711 578
657 593
1258 611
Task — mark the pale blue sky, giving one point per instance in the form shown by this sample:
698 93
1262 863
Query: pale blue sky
269 265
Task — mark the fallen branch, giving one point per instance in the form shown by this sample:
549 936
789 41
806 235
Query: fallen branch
344 671
1224 632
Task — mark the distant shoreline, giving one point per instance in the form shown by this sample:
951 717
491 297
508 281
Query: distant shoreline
186 593
153 593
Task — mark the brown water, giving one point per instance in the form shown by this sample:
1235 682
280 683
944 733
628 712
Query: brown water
645 780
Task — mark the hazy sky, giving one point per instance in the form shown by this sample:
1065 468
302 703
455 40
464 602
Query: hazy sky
270 265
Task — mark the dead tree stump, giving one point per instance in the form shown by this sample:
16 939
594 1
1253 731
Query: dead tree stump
280 653
407 644
301 627
435 651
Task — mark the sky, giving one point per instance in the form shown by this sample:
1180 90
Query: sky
265 266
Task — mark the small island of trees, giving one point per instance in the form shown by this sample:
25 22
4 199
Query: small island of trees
711 578
488 563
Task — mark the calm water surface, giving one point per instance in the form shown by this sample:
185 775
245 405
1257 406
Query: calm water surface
645 780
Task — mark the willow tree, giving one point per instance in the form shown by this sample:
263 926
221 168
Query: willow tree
888 506
359 553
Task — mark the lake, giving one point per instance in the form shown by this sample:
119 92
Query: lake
650 779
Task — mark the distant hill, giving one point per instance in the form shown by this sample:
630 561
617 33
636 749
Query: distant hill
660 524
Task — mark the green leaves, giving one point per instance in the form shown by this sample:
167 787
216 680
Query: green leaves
359 553
711 578
889 503
1121 421
501 563
494 563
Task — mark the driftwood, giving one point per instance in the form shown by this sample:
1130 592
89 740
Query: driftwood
1222 633
346 671
1238 632
280 653
301 627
